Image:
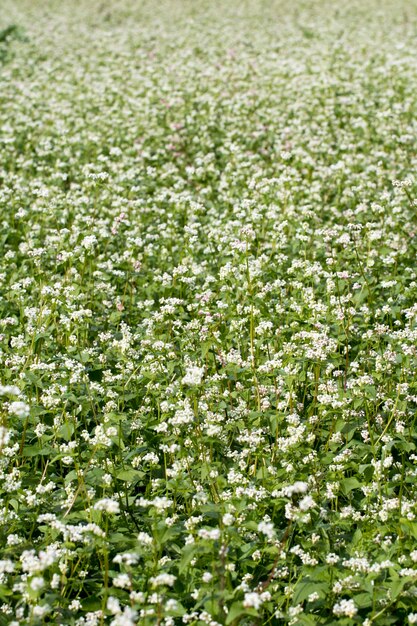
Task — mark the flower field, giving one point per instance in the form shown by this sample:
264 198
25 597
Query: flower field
208 312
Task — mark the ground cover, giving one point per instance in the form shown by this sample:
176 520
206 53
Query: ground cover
208 313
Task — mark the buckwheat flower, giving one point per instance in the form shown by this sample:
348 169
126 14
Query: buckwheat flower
412 618
293 611
298 487
113 605
252 600
122 581
267 528
4 436
332 558
108 505
89 242
6 609
9 390
55 581
137 596
75 605
129 558
206 578
19 409
40 429
6 566
145 539
345 608
193 375
107 479
161 503
407 571
163 580
40 610
306 503
313 596
37 583
209 533
151 458
228 519
14 540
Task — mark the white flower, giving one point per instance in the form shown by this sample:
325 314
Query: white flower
267 528
108 505
113 605
13 540
252 600
306 503
75 605
12 390
160 503
298 487
127 618
332 558
163 579
193 375
37 583
228 519
171 605
56 579
6 566
19 409
89 242
345 608
313 596
145 539
209 533
4 436
122 581
41 609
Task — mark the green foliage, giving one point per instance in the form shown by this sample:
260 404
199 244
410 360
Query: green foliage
208 314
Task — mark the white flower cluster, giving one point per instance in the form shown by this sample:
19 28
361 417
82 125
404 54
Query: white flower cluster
345 608
193 375
163 579
108 505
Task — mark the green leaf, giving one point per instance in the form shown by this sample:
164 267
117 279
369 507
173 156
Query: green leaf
188 555
37 451
237 610
118 538
363 600
306 588
205 347
397 586
348 484
357 537
66 431
5 591
129 475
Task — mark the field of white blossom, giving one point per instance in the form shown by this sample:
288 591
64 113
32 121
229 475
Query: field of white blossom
208 312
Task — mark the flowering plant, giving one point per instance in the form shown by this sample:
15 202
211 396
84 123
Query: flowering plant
208 313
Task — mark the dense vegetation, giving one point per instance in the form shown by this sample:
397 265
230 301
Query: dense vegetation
208 312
